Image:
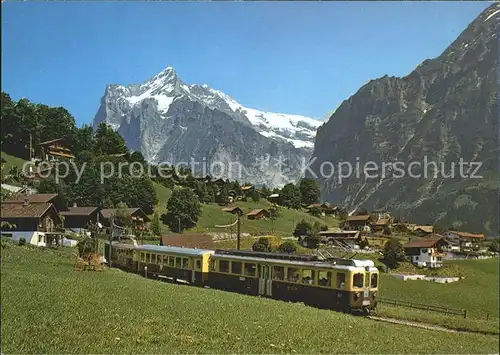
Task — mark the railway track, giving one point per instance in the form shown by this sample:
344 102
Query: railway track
428 326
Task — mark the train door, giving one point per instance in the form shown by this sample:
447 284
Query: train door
265 281
366 289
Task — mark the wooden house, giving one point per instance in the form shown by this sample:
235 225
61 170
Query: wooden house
81 218
38 223
135 215
55 150
38 198
423 231
260 213
233 210
382 225
359 223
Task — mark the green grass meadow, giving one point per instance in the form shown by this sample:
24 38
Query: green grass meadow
49 308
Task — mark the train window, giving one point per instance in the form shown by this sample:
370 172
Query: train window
198 264
293 274
325 278
236 267
357 280
171 260
367 279
148 257
178 262
165 260
185 263
250 269
374 280
307 276
212 265
341 280
278 273
153 258
223 266
159 259
143 257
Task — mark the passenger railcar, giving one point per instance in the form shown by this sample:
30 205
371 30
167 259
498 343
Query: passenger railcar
341 284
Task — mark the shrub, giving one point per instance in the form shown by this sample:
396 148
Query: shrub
22 241
316 211
393 253
260 247
287 247
312 241
495 246
302 228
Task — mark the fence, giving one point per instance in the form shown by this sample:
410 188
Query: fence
425 307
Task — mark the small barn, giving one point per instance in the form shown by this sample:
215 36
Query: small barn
136 215
423 231
259 213
79 218
233 210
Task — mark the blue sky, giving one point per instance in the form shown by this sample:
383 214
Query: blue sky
301 58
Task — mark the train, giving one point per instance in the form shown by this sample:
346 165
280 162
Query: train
346 285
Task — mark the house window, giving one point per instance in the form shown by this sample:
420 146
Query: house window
223 266
236 267
250 269
278 273
325 278
416 258
423 250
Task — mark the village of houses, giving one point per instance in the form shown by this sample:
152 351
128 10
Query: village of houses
41 220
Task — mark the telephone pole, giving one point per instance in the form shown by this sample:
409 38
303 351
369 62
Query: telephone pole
238 231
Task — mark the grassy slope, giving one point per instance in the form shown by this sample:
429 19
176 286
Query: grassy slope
478 293
212 215
49 308
11 161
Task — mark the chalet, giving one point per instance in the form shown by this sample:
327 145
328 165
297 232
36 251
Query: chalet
136 215
260 213
233 210
382 214
55 150
360 223
37 223
382 225
325 208
466 241
426 252
37 198
273 198
423 231
79 218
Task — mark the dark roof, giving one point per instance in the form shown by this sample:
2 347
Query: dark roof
256 212
34 198
108 212
53 141
79 211
365 217
234 209
423 243
19 210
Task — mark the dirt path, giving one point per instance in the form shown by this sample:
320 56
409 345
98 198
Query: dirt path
413 324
